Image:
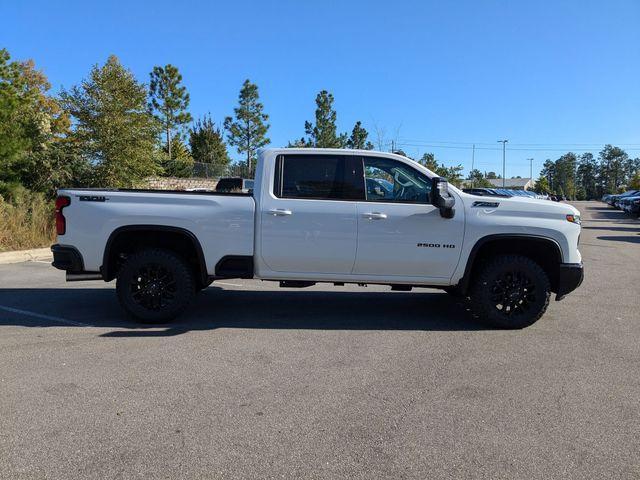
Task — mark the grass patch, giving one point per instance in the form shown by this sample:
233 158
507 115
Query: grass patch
27 221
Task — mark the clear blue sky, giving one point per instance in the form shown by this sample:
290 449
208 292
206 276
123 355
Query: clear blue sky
548 73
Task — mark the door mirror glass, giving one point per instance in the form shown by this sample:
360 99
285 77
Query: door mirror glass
441 198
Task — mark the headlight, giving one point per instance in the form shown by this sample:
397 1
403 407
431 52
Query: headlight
574 219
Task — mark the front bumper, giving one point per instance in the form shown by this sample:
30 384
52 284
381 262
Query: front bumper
570 277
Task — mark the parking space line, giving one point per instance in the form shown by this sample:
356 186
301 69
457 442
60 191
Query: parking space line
230 284
43 317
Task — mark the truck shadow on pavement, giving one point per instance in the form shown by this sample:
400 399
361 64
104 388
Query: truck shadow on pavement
221 308
621 238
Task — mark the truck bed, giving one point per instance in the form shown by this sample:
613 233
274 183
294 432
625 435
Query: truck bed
222 222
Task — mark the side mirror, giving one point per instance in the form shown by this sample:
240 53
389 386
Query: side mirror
441 198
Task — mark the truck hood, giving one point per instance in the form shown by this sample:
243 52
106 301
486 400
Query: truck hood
533 206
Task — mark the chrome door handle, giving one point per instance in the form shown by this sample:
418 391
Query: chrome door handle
375 215
279 212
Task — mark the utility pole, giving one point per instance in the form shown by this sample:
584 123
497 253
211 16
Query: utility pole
504 160
530 168
473 157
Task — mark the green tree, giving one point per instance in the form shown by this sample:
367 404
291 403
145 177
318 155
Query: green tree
248 131
14 130
476 179
113 128
549 172
358 139
565 175
300 143
428 160
634 183
323 133
207 146
452 174
181 165
587 176
169 101
542 186
30 119
612 172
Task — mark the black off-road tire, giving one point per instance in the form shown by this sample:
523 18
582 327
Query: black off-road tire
155 286
510 291
454 291
204 286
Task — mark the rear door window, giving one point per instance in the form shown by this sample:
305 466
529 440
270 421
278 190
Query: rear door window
319 177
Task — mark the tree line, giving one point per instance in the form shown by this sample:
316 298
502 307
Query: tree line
111 130
585 177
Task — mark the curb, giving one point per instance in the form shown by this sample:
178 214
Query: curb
25 255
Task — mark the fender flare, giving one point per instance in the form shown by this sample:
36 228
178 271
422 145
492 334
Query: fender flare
466 278
109 275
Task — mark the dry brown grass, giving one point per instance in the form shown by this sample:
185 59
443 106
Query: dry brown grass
26 223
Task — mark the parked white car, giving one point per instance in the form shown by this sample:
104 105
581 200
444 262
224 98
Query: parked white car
312 218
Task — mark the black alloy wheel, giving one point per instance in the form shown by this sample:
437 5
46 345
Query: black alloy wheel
155 285
510 291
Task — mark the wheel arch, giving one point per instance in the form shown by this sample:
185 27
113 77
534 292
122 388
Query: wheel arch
132 238
543 250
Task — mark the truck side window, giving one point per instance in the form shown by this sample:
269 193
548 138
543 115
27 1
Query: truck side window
320 177
391 181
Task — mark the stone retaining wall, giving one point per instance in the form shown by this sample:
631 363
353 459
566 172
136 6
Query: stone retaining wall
174 183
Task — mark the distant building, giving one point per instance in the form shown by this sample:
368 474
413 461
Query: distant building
513 183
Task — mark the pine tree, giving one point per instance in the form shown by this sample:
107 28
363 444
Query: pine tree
207 145
323 134
587 176
169 100
181 165
113 128
247 132
428 160
358 138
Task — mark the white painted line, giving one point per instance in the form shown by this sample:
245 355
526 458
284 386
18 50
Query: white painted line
44 317
230 284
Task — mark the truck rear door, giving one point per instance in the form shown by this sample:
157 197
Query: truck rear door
309 216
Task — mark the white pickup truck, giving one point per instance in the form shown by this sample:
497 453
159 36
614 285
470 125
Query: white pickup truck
323 215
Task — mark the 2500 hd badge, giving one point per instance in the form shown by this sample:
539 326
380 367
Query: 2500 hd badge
436 245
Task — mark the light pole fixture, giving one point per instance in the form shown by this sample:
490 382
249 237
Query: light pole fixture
504 163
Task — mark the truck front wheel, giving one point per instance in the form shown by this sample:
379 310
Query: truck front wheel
510 291
155 285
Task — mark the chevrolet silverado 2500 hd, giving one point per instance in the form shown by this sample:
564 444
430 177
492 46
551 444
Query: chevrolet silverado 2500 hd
322 215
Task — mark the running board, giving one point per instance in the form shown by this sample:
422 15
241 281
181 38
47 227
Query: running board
295 284
78 277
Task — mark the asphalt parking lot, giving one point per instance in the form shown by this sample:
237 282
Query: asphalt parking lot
345 382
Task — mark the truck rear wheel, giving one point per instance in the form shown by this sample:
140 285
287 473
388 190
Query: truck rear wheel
155 286
510 291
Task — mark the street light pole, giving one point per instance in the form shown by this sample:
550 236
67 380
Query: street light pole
473 158
504 160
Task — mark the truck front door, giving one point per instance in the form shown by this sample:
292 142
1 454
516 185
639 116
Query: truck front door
309 220
399 232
